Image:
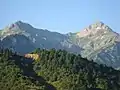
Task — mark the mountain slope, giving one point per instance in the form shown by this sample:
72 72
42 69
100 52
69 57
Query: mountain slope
37 38
98 41
16 73
18 43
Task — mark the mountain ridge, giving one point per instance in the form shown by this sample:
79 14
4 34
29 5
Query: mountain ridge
90 42
97 23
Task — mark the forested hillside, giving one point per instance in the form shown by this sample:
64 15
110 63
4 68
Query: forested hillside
67 71
54 70
16 73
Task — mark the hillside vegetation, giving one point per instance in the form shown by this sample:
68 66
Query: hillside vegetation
55 70
67 71
16 73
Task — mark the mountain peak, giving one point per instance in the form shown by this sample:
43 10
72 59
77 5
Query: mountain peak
99 23
15 25
99 26
20 25
93 29
18 22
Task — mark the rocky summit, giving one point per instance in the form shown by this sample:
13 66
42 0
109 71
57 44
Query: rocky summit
100 43
97 42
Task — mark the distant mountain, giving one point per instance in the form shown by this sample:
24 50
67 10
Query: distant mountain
98 41
22 35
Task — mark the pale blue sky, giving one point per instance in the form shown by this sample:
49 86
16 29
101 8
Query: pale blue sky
61 15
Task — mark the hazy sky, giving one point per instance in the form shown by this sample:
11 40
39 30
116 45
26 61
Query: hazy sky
61 15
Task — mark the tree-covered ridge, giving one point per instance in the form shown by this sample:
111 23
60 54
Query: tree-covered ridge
16 73
55 70
67 71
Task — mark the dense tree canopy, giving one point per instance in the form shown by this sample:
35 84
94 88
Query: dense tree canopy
16 73
67 71
55 70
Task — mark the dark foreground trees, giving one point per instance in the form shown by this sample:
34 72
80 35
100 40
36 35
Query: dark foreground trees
55 70
67 71
16 73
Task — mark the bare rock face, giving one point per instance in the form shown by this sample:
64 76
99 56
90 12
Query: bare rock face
97 28
32 56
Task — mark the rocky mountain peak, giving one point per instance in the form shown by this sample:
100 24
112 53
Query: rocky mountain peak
93 29
14 28
15 25
19 25
19 22
99 23
99 26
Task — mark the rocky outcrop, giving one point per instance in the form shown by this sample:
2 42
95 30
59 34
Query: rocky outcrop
32 56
